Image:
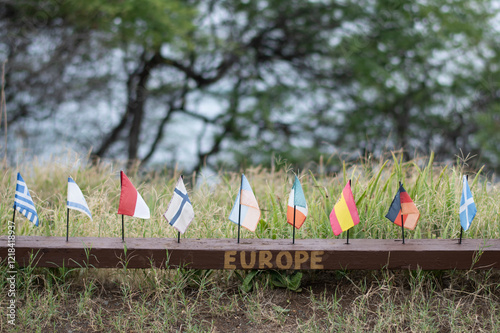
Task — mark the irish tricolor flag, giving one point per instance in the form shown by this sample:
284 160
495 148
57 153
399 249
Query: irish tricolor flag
344 214
131 202
297 207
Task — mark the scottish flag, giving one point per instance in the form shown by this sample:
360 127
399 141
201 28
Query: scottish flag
467 206
23 202
76 200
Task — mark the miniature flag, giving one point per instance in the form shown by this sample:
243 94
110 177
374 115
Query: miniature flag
23 202
131 202
180 212
403 205
344 214
467 206
298 200
76 200
250 212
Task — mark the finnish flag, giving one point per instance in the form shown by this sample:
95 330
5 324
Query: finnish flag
180 212
76 200
467 206
23 202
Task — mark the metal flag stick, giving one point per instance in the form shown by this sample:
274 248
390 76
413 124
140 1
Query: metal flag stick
239 210
402 219
294 210
178 232
67 224
349 228
123 223
403 228
462 228
14 216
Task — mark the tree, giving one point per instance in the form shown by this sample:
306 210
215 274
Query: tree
254 78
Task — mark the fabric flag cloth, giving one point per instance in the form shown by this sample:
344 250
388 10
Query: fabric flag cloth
467 206
298 200
23 202
344 214
131 202
250 212
180 212
76 200
403 205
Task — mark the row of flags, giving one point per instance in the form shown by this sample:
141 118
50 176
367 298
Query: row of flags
246 212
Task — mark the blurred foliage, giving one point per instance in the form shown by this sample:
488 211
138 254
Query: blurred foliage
302 80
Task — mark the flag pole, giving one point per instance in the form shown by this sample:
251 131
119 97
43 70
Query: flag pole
123 229
123 222
349 228
402 219
239 210
294 210
14 217
178 232
462 228
67 224
403 228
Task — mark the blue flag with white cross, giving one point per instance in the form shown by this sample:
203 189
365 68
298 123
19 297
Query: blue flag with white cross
180 212
467 206
23 202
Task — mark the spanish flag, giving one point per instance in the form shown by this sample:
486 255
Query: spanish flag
344 214
402 205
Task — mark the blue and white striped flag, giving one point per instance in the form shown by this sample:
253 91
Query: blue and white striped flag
76 200
23 202
467 206
180 212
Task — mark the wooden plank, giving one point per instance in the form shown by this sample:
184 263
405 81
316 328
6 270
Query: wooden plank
254 253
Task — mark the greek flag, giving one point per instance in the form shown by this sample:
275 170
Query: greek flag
180 212
76 200
23 202
467 206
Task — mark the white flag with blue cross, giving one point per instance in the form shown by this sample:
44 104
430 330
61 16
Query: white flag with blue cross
180 212
23 202
467 206
76 200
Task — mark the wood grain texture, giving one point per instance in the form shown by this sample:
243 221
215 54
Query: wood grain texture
327 254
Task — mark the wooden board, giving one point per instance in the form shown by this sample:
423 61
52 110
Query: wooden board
306 254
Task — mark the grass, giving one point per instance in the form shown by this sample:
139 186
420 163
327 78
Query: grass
155 300
166 301
434 188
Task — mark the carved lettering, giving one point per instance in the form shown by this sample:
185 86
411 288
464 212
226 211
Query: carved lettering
300 258
265 259
269 260
243 260
316 258
288 257
228 259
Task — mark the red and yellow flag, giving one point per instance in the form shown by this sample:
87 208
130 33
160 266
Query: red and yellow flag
344 214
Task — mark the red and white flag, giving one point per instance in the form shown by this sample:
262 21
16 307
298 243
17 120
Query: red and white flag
131 202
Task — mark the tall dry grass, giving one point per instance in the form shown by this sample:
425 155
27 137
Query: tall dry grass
435 189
